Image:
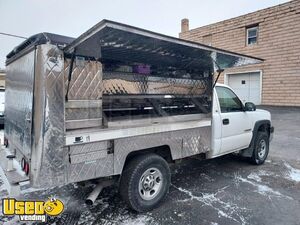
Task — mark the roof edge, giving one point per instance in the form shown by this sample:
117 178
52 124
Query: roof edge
126 27
37 39
237 17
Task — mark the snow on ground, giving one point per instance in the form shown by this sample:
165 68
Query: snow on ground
262 188
258 175
224 209
255 179
293 174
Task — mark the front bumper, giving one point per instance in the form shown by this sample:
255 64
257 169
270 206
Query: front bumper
11 178
271 131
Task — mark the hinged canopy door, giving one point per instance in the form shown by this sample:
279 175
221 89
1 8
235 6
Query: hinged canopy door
109 40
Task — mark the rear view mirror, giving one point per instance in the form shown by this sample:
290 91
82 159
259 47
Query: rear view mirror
249 106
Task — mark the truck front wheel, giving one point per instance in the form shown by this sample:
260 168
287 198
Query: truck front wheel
145 182
261 148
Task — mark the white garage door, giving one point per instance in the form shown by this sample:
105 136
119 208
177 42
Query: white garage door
246 86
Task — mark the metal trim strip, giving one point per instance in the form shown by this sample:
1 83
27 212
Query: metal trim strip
111 134
76 124
75 104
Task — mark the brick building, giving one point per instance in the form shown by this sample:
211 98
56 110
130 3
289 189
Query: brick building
272 34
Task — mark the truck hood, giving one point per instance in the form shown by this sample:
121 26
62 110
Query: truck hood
262 114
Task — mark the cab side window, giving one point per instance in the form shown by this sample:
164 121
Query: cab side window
229 102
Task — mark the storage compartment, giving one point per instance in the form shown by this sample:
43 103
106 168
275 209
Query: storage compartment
87 161
83 108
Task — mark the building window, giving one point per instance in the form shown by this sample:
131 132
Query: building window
252 35
207 39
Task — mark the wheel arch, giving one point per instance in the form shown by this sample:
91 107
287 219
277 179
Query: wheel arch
259 126
164 151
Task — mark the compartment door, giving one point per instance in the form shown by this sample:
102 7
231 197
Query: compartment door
19 103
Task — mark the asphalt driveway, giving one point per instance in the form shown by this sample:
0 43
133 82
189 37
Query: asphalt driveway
225 190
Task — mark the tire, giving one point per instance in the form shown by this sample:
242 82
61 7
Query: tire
261 148
138 176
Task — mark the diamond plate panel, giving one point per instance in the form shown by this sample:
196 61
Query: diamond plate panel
86 82
105 167
89 161
81 171
90 147
91 169
198 140
48 155
87 156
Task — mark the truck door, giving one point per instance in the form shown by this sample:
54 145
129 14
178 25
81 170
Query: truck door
235 122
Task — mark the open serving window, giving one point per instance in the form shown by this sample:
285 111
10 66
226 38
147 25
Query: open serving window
149 75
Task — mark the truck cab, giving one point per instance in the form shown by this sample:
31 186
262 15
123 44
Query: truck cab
235 126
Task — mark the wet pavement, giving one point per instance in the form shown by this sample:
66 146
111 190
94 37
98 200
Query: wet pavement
226 190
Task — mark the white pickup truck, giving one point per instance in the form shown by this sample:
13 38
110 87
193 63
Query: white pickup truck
236 128
118 104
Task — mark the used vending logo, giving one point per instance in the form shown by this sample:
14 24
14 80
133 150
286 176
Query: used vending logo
32 210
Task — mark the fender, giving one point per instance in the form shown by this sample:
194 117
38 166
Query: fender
248 152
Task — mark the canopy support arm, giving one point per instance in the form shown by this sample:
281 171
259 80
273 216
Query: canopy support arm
70 75
219 73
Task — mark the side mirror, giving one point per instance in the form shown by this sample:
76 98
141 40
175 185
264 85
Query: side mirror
249 106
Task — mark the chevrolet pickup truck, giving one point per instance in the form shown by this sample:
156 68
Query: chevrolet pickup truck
119 104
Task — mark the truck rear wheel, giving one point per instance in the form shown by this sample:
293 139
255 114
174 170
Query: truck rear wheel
145 182
261 148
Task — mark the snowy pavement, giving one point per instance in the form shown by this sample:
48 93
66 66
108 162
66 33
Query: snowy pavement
221 191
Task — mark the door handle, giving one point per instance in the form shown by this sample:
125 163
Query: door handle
225 121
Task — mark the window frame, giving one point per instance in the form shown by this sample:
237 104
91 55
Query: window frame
242 109
248 29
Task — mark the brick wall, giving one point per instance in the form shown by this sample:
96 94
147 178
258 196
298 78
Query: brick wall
278 43
2 78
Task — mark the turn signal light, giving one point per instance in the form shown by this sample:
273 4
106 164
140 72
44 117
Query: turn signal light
26 168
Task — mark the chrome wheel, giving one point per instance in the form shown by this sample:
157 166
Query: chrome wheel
150 184
262 149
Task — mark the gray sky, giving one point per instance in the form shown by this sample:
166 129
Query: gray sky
73 17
